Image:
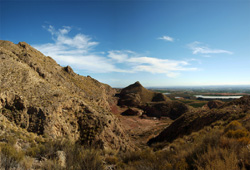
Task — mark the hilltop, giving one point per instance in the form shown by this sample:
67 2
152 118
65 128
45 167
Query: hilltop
136 95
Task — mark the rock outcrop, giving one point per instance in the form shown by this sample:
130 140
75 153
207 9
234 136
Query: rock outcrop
133 112
39 95
152 103
136 95
172 109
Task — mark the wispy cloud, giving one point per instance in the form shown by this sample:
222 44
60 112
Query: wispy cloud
140 63
75 51
200 48
166 38
79 52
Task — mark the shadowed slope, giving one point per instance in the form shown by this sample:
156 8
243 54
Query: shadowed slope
196 120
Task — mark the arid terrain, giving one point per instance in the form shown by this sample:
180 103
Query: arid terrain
53 118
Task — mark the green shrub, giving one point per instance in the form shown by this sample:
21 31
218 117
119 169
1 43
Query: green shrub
10 157
51 164
36 151
78 158
145 159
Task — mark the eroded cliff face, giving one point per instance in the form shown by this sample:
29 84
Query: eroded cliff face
39 95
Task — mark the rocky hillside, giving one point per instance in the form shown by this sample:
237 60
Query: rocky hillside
39 95
150 103
136 95
196 120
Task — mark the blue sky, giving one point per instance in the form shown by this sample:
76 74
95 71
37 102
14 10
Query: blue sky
159 43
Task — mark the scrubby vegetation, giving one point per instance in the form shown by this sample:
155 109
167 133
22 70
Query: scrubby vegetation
20 149
51 155
215 147
222 144
225 144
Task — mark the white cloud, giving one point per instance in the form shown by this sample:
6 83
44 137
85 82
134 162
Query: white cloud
118 56
173 75
75 51
65 30
78 52
139 63
199 48
166 38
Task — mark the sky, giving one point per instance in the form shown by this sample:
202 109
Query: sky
159 43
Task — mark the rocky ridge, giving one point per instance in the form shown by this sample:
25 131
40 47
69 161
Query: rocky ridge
42 97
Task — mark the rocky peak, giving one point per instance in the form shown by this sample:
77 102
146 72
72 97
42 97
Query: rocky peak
136 95
137 83
69 70
24 45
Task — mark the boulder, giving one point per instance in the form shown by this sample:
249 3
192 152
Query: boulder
133 112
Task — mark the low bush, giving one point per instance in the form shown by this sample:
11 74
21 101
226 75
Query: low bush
10 158
239 133
217 159
78 158
234 125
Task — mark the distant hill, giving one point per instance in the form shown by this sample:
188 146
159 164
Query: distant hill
136 95
153 104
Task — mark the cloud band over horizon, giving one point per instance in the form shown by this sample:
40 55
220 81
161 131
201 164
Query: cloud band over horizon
78 51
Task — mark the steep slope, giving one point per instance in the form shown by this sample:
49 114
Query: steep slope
196 120
41 96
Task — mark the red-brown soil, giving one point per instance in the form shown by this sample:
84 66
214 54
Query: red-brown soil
140 129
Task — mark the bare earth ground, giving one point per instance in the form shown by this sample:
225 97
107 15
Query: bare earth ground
140 129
